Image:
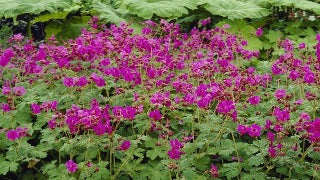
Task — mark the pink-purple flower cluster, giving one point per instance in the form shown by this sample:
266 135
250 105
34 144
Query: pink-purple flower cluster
71 166
83 81
253 131
175 151
17 133
18 90
45 106
6 56
155 115
95 118
125 145
127 112
214 171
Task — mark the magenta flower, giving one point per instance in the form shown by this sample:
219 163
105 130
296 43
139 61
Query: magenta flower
36 109
234 115
52 123
272 152
302 45
175 151
254 100
314 130
146 30
226 26
129 113
155 115
298 101
6 90
175 143
89 164
6 57
125 145
100 129
19 90
71 166
259 32
279 146
174 154
105 62
81 81
270 136
294 147
5 107
281 115
204 102
309 78
214 171
305 116
242 129
22 131
54 105
255 130
268 124
280 93
294 75
98 80
118 111
68 81
224 107
17 37
161 99
205 22
278 128
12 135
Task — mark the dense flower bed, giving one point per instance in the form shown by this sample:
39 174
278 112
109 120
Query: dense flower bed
158 105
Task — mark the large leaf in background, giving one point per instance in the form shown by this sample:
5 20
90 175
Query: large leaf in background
308 5
13 8
107 12
242 29
57 15
299 4
70 28
234 9
163 8
50 16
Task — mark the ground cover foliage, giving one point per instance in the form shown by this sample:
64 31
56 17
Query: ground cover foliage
160 104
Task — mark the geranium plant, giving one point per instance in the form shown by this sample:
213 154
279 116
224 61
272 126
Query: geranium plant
158 105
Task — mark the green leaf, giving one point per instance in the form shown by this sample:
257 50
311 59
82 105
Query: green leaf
299 4
103 171
253 175
13 166
106 12
274 36
22 114
307 5
13 8
157 152
226 148
50 16
201 162
70 28
42 119
230 170
235 9
4 166
162 8
53 28
256 160
245 31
